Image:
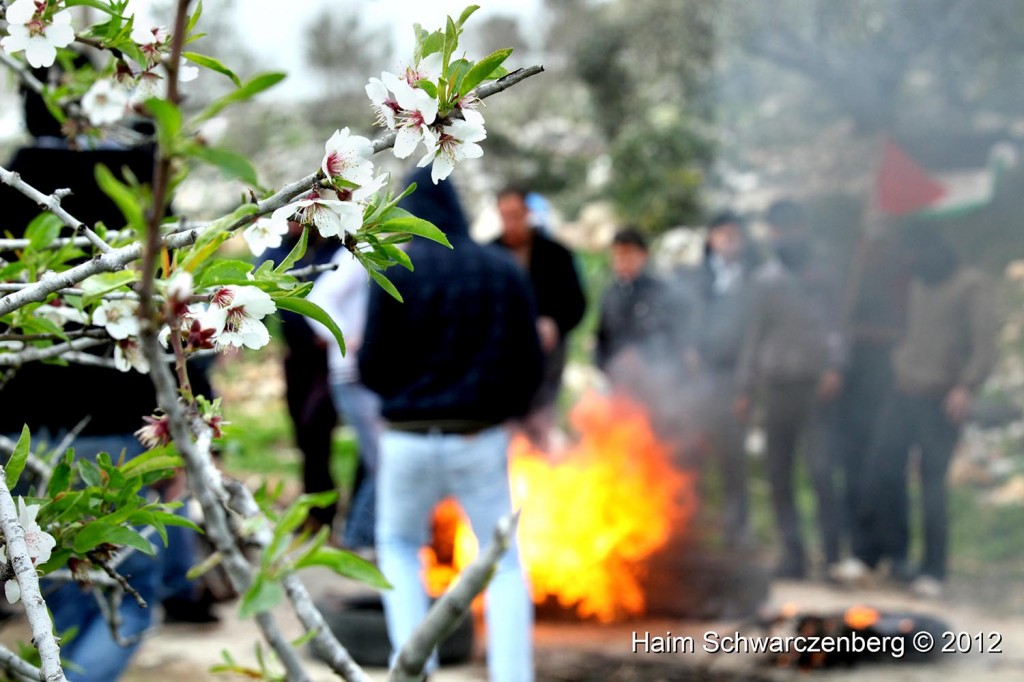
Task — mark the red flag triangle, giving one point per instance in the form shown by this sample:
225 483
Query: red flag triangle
902 186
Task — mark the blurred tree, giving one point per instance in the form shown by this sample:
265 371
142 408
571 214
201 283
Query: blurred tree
344 49
498 31
883 62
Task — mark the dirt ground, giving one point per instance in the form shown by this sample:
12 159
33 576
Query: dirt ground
570 651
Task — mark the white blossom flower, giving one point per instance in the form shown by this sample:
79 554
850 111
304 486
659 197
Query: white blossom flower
468 106
150 39
61 313
348 157
412 121
119 318
39 542
458 141
180 286
29 31
148 84
105 102
428 69
236 311
128 355
383 103
331 217
268 232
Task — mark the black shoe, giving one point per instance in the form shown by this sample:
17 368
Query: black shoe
181 610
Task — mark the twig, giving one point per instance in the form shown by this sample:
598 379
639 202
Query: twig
23 73
310 270
452 606
292 665
32 354
325 642
118 258
74 334
121 581
28 581
109 604
97 578
51 203
18 666
71 435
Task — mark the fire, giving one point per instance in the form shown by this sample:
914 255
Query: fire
860 617
591 518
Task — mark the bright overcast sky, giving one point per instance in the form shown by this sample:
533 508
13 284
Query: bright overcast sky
276 35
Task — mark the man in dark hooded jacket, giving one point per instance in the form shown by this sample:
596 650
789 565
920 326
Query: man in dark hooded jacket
452 364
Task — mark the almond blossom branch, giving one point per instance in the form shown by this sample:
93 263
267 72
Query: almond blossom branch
25 572
452 606
312 270
206 483
16 665
118 579
51 202
325 642
19 358
118 258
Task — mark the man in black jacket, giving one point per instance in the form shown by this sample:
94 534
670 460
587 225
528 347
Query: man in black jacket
452 364
559 296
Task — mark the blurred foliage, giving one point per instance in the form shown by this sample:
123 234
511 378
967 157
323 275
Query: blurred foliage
886 63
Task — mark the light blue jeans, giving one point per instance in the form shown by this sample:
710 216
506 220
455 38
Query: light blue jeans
416 472
360 408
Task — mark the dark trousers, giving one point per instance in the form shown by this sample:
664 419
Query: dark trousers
793 418
908 421
308 394
852 419
722 439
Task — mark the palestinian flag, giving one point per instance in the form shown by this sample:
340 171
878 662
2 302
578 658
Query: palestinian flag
903 187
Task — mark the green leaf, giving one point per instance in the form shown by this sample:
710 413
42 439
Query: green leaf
194 19
467 13
312 310
61 478
262 595
299 510
90 473
209 563
427 87
121 195
105 282
386 284
16 464
97 533
248 90
410 224
43 229
295 255
231 164
228 271
148 462
168 122
482 70
451 41
95 4
457 71
346 564
213 65
216 233
398 255
432 43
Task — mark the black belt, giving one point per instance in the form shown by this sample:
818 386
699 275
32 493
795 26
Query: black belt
449 427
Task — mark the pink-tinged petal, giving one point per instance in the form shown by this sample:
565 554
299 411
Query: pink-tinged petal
427 106
351 216
427 159
429 67
327 221
406 141
254 333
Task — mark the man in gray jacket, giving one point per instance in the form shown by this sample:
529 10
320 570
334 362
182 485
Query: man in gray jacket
791 357
947 353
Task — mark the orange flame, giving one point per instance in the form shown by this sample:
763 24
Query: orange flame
591 518
860 617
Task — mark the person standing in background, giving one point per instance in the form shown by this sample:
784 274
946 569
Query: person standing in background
558 294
